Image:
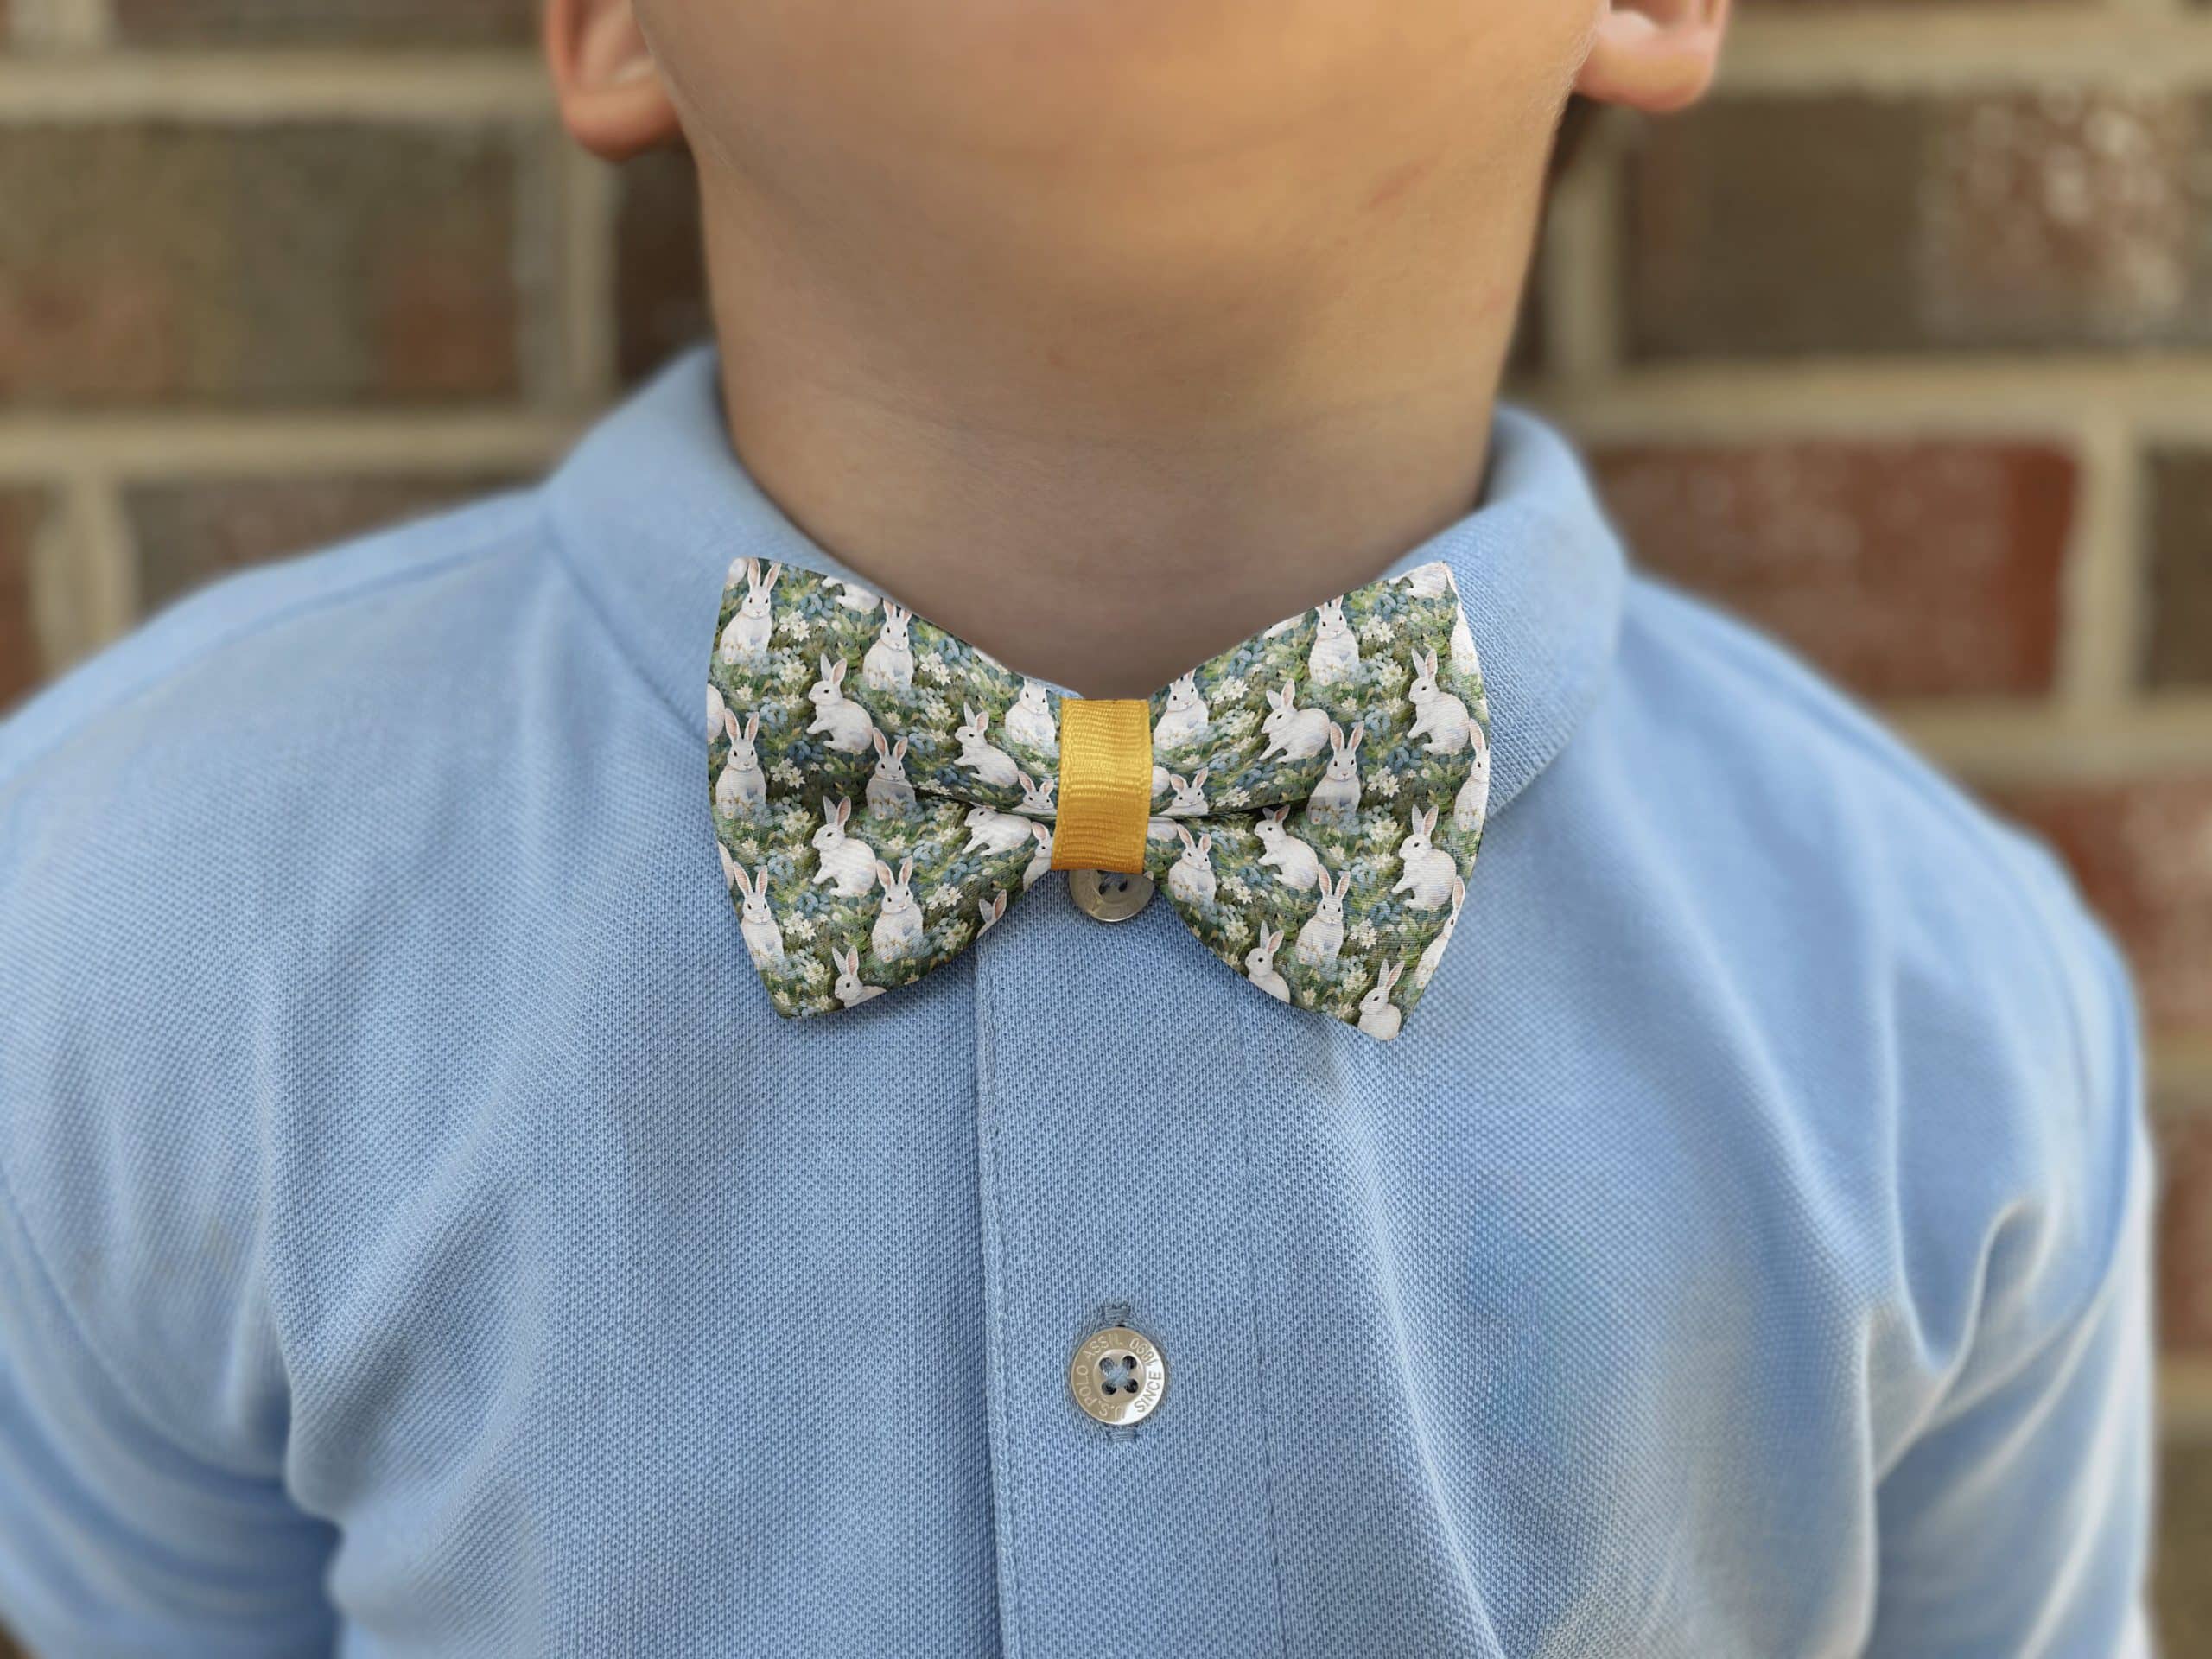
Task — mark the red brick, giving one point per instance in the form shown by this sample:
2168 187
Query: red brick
2142 851
2184 1242
1765 226
188 533
1904 570
2177 641
324 22
267 265
22 661
660 282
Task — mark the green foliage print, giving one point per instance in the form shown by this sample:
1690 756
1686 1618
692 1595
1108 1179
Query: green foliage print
882 790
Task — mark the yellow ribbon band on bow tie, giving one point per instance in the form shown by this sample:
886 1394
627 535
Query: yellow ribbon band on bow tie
1105 802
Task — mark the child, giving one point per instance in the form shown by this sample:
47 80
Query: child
871 1024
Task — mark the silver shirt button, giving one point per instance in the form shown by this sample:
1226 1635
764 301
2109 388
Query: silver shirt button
1109 895
1118 1376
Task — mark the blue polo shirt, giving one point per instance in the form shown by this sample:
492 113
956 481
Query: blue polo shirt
419 1235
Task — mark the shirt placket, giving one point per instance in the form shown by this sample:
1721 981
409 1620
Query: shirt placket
1113 1124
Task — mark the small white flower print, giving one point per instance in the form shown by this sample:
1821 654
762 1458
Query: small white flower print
1231 689
786 774
937 709
1230 799
942 897
794 671
1384 784
749 849
798 627
798 928
782 1000
1236 723
815 972
1231 889
933 668
1375 630
1363 936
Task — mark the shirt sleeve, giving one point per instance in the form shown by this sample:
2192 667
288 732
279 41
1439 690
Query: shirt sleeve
115 1540
2017 1522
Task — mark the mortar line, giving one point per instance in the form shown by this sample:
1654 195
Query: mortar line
1965 47
1581 264
1951 392
191 443
461 86
2096 668
591 198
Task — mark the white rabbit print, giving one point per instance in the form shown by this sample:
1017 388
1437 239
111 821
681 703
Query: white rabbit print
762 937
883 793
1030 722
845 861
889 665
990 764
1259 964
1437 716
1378 1015
851 989
993 832
890 793
741 790
1296 863
744 640
1463 648
1431 581
1040 861
847 725
1191 878
1335 656
1426 872
897 931
1293 732
1189 793
1323 936
1433 956
1471 806
1185 719
1036 794
1335 800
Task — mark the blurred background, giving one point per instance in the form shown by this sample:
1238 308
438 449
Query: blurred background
1901 346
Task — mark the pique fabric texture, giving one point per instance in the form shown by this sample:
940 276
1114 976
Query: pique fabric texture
419 1236
882 790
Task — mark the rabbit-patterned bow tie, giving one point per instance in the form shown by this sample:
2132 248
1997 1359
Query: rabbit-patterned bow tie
1313 800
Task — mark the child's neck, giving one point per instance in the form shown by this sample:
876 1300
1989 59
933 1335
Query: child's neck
1105 496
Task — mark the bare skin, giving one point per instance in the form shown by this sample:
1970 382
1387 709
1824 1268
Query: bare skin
1107 333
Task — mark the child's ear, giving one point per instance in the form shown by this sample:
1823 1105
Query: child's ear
1653 56
612 100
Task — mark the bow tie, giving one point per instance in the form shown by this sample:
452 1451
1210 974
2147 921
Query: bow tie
1313 800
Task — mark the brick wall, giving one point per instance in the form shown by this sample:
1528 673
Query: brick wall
1901 346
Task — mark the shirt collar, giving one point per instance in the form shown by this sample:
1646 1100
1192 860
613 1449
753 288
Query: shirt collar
654 505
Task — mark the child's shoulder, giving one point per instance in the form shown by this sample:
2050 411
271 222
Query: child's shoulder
292 642
1855 884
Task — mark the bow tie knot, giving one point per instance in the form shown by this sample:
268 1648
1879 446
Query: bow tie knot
882 790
